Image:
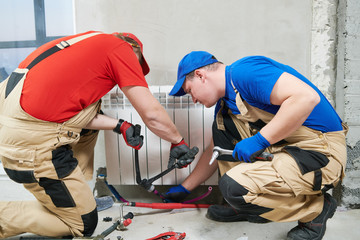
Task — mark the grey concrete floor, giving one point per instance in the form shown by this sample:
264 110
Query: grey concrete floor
148 223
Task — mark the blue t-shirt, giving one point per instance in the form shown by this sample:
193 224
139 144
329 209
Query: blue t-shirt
254 77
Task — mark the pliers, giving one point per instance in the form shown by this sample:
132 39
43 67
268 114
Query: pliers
169 236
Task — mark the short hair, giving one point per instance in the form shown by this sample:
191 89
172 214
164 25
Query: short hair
133 43
210 67
128 40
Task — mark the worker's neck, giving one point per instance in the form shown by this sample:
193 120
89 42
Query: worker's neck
220 82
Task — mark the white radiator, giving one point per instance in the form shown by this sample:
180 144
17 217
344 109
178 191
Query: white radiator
192 120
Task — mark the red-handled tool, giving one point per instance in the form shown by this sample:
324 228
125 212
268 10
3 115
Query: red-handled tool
169 236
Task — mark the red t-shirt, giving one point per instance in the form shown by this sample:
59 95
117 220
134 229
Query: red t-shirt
63 84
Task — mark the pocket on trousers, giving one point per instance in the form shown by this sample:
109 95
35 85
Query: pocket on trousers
21 176
307 160
63 161
58 192
21 154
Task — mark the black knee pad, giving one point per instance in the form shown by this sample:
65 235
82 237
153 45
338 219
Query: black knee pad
90 221
232 191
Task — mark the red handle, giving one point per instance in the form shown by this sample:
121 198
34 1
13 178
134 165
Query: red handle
127 222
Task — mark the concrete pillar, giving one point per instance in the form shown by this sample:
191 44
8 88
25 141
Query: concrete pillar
348 95
323 46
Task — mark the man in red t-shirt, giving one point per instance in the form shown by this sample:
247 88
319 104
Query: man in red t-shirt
49 117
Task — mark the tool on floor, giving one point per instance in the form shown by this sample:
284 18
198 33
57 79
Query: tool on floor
124 221
169 236
217 151
120 224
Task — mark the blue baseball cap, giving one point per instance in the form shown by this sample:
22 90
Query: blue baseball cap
189 63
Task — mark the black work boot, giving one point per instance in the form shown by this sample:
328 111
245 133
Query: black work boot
223 213
314 229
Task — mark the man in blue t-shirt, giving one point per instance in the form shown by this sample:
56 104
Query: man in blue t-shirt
265 106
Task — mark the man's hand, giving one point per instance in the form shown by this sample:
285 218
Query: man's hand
130 133
183 153
176 194
249 149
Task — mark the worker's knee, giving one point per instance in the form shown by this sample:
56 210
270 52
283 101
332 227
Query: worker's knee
232 191
90 221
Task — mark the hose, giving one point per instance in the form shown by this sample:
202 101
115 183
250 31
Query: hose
166 205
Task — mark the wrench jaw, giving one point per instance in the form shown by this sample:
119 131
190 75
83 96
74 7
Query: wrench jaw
214 156
223 151
217 151
145 183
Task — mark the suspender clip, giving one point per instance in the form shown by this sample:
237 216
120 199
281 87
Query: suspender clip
64 44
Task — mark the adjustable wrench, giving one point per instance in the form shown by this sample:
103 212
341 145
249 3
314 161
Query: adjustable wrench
217 151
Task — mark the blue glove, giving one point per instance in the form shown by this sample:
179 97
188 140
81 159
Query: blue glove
176 194
249 148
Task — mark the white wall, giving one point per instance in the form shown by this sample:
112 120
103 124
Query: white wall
229 29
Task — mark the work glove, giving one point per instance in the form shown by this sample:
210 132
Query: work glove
176 194
131 133
249 149
182 153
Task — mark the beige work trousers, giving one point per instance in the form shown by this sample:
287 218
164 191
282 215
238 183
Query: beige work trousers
53 161
279 184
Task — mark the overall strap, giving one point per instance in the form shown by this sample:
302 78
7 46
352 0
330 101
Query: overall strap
58 47
240 102
232 84
19 74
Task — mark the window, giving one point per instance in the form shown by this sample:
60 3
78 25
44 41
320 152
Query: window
26 25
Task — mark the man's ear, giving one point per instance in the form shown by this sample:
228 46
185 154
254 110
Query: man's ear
200 73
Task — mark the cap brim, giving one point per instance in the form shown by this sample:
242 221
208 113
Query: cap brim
177 90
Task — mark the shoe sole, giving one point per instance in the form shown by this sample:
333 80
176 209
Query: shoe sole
238 218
